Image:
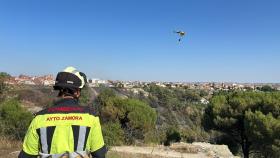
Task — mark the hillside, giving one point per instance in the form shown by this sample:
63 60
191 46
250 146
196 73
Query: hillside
153 116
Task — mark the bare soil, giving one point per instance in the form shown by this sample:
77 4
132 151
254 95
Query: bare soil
177 150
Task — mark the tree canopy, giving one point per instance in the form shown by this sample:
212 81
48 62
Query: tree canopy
246 116
14 119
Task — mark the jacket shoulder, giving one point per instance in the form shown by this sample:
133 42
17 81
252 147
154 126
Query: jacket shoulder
67 109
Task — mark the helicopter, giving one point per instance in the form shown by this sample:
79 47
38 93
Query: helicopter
181 34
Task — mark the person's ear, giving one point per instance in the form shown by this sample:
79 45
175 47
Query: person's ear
78 93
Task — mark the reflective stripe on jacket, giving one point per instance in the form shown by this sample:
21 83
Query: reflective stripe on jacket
64 127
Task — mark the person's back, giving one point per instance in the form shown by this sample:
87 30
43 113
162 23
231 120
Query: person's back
65 129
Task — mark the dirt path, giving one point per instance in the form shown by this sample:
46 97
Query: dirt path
177 150
156 152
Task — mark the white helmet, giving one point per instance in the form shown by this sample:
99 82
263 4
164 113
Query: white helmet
70 77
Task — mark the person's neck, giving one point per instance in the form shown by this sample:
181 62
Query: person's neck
67 97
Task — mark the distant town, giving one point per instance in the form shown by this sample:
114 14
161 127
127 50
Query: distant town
49 80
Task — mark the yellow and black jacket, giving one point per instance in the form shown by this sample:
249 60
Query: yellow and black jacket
65 127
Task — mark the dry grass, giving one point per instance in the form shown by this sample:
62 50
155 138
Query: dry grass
184 148
113 154
7 146
198 150
6 143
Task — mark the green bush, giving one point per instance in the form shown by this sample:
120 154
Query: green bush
14 120
3 86
85 95
113 134
188 135
172 135
134 117
154 136
105 95
140 114
266 88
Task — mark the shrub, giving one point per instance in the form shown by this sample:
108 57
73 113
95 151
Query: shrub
3 86
172 135
154 136
14 120
189 135
135 117
85 95
113 134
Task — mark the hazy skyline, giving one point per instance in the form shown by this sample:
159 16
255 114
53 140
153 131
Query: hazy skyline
231 41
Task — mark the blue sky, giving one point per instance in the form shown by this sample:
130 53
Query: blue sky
234 41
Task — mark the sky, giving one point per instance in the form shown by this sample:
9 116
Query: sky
226 41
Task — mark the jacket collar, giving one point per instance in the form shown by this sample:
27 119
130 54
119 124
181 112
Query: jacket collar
67 102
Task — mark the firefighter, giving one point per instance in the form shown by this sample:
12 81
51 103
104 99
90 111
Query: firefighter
66 129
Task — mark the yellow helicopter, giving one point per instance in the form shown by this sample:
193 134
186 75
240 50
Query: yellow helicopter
181 34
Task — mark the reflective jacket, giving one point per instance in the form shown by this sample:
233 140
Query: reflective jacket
65 127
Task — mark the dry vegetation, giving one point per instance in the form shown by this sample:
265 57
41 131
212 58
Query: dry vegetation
113 154
176 150
8 146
